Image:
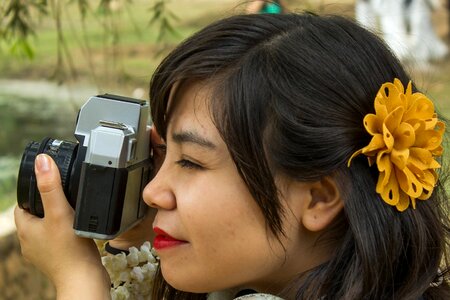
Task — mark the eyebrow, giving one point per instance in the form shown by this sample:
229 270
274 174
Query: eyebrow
192 137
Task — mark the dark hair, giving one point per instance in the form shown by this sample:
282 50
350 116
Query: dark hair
290 94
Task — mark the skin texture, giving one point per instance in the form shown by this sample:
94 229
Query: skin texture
202 200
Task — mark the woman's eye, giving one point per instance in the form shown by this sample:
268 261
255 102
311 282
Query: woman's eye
187 164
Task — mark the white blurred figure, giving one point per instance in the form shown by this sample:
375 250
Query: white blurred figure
425 43
405 25
387 17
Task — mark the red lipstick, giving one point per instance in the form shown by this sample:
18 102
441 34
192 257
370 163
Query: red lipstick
164 240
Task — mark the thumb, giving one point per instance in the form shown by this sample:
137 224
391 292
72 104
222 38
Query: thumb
49 184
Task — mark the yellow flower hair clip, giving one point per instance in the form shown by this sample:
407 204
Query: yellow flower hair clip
407 137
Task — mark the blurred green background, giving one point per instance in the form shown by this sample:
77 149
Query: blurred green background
55 54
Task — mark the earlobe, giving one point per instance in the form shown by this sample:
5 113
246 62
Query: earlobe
324 205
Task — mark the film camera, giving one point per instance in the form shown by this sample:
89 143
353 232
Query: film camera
104 173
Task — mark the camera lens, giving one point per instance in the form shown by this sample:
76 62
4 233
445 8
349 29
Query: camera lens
62 152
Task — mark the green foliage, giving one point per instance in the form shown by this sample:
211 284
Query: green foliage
83 7
21 46
16 26
162 15
19 24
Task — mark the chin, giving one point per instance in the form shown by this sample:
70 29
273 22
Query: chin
188 282
189 287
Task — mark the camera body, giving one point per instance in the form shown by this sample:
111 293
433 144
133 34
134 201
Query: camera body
103 175
113 133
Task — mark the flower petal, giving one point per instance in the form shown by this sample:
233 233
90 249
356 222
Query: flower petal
400 157
399 85
421 108
404 136
428 179
389 94
408 91
426 194
353 156
403 202
376 144
390 192
418 125
408 182
428 139
431 123
390 125
438 151
420 157
394 118
385 168
388 138
373 124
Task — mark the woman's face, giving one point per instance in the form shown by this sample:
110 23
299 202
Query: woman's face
211 233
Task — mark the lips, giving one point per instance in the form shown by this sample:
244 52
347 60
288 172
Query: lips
163 240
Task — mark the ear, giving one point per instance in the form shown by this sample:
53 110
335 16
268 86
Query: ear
322 206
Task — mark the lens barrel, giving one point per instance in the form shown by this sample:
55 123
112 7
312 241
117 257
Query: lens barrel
63 153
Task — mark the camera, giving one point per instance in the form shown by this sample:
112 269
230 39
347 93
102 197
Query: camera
103 173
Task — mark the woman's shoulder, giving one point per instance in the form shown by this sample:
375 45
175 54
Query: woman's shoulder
230 295
258 297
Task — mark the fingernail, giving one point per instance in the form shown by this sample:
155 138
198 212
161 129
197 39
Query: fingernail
42 163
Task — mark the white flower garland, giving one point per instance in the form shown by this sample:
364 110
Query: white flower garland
131 274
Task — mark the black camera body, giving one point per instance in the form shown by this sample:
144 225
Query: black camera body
104 173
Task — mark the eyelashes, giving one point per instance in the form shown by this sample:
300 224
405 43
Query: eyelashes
183 163
187 164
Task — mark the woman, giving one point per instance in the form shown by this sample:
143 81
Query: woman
265 7
278 174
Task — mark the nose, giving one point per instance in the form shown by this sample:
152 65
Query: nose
158 192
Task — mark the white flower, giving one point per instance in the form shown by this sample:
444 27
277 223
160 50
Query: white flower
150 269
116 262
120 293
133 257
131 275
137 274
145 255
124 276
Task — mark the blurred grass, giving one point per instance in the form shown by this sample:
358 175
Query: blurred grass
137 47
8 176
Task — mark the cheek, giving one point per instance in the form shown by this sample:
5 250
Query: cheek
222 219
228 239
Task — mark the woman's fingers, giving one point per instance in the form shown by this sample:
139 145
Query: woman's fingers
49 184
21 216
24 222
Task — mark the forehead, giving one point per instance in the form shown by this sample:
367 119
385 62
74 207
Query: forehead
189 106
189 94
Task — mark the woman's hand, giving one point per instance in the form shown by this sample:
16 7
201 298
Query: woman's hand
72 263
143 231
